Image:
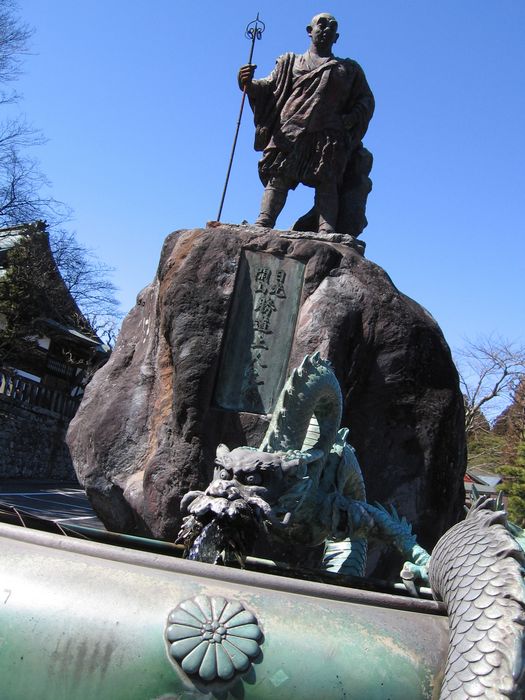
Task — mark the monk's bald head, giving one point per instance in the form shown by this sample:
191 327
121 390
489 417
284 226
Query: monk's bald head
327 16
322 30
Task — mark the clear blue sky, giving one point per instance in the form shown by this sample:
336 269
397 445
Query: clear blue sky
139 103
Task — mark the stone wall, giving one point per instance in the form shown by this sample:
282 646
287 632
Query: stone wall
32 443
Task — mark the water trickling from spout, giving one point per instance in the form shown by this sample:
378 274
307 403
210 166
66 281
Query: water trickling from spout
208 546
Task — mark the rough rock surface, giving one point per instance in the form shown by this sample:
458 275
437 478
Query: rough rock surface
147 428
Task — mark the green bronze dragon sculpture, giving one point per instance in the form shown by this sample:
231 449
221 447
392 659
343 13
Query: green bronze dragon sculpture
303 484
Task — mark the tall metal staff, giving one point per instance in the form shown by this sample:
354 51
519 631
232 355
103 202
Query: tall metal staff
253 31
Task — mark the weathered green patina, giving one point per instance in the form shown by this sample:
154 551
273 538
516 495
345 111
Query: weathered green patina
260 331
85 621
298 485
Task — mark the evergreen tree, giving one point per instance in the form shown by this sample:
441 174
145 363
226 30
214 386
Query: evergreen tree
514 486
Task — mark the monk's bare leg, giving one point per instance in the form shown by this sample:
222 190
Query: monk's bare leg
327 205
273 201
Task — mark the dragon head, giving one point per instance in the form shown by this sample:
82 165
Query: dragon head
255 474
245 495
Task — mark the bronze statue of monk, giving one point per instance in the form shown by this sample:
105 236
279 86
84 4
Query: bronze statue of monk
310 115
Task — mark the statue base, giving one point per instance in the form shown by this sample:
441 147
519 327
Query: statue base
205 352
343 238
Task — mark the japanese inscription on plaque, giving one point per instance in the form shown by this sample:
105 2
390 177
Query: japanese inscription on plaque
260 332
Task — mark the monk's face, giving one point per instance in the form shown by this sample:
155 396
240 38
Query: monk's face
323 31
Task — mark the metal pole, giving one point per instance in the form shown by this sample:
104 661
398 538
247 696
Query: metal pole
253 31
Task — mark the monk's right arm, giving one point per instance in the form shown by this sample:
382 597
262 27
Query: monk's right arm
245 76
253 86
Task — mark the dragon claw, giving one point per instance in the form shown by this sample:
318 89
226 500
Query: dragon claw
412 572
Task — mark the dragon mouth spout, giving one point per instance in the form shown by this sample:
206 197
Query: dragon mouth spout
237 507
221 523
265 490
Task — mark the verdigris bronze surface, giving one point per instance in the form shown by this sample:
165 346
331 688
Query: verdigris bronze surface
296 484
304 483
213 637
311 114
259 335
67 636
477 569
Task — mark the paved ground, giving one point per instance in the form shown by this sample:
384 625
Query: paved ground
63 503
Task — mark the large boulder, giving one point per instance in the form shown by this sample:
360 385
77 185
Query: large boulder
152 417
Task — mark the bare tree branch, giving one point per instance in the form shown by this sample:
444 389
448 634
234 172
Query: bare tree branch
490 371
24 199
23 187
14 37
89 282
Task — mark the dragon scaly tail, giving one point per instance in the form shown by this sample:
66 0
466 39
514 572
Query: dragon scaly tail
476 569
308 410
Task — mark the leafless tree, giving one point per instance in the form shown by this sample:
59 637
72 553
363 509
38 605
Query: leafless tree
24 195
490 371
23 187
88 280
21 181
38 272
14 37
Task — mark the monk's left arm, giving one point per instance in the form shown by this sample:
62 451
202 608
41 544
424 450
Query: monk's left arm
360 106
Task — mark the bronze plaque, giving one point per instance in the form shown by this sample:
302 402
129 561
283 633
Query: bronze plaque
260 332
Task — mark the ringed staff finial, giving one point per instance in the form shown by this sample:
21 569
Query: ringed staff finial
254 30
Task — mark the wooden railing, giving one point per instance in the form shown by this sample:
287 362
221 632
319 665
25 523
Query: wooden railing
30 393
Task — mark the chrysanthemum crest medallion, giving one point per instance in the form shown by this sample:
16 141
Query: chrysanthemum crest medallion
212 637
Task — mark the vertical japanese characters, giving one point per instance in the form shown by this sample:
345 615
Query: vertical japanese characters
269 294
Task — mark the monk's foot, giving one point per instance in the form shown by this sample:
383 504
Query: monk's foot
264 221
325 228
